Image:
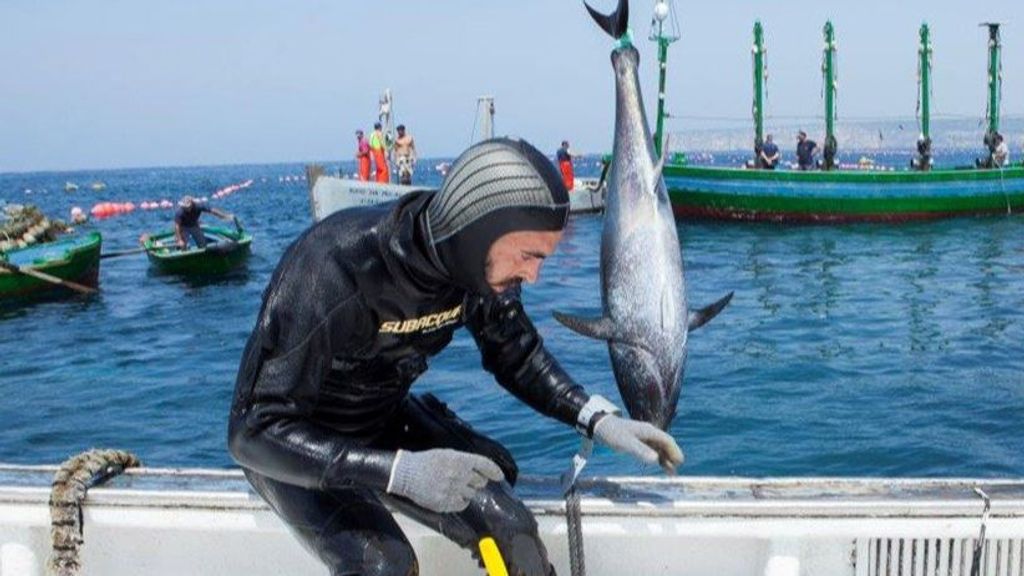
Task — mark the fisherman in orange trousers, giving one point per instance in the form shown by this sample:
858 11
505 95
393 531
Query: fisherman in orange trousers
362 156
565 165
378 148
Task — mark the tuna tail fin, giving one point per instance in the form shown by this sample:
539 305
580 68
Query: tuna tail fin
614 24
600 328
702 316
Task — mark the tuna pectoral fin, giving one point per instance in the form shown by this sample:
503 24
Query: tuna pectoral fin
600 328
701 317
614 24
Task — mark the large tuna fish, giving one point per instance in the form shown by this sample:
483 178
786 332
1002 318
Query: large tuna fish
645 320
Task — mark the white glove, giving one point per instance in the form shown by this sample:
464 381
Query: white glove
441 480
642 440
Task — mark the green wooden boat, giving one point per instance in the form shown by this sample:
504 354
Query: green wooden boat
75 258
226 249
831 194
842 196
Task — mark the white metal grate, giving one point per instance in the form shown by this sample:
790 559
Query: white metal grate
937 557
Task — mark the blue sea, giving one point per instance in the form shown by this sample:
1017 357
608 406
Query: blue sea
861 350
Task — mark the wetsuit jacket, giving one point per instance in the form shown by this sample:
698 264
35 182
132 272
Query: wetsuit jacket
354 310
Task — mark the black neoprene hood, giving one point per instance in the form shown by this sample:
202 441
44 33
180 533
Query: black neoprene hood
495 187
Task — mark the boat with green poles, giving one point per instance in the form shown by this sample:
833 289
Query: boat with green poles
225 250
829 193
68 265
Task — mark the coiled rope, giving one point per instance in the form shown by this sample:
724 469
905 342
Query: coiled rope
74 478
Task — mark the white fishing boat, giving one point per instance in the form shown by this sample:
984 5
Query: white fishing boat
328 193
199 522
587 196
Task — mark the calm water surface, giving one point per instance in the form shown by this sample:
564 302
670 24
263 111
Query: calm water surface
862 350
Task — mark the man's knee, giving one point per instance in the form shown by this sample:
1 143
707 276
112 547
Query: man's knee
370 556
501 511
514 528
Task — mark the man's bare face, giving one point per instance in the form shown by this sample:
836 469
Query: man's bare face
516 257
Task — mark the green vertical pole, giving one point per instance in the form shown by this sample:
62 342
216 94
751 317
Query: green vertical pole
828 68
925 54
994 78
923 161
663 43
662 11
758 51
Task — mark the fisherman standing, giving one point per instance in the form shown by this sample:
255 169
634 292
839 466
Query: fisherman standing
564 157
806 149
769 155
362 156
186 221
323 422
923 162
405 155
379 150
1001 152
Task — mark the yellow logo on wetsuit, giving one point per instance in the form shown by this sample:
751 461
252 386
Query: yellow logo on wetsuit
427 323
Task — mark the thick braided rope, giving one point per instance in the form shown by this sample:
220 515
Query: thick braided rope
70 484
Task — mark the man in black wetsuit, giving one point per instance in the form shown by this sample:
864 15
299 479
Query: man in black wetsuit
322 420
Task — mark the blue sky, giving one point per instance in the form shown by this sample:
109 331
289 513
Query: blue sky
113 83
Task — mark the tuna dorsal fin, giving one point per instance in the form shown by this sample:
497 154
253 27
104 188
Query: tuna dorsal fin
600 328
701 317
614 24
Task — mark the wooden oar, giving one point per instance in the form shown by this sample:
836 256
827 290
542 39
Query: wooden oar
136 251
122 253
46 277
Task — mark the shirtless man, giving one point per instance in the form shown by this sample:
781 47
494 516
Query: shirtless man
405 155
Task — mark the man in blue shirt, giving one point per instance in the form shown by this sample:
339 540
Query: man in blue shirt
805 151
186 222
769 156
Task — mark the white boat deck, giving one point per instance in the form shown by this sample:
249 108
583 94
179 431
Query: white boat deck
164 522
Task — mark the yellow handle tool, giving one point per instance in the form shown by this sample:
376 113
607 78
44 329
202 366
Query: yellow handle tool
493 562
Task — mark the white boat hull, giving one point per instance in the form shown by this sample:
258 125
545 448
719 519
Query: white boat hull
329 194
166 522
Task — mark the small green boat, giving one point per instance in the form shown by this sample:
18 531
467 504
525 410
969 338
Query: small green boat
71 258
225 250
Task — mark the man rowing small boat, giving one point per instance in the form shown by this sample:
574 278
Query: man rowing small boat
186 221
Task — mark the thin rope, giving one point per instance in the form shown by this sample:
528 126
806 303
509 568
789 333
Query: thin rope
573 512
979 545
574 523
